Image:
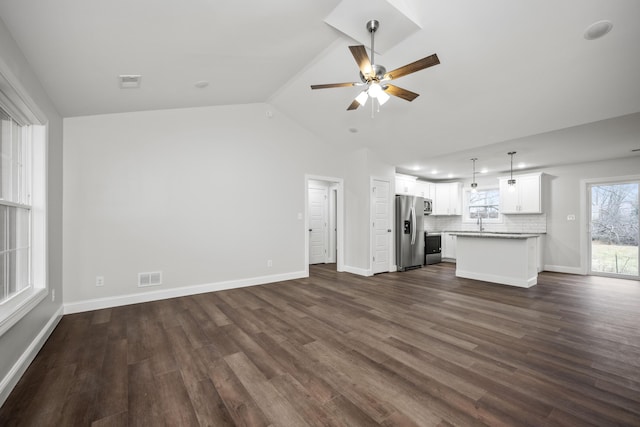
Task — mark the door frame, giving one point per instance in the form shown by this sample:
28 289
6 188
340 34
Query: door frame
339 186
392 265
585 219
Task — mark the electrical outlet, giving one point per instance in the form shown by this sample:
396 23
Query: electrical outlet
99 280
571 217
269 263
53 295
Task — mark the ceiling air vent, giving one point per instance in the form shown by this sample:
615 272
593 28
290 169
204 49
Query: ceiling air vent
129 81
149 279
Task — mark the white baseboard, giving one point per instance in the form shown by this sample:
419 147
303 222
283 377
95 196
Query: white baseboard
18 369
116 301
358 271
563 269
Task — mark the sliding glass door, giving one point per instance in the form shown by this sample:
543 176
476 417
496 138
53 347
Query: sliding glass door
614 220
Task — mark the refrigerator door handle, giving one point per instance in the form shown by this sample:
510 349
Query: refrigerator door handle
413 224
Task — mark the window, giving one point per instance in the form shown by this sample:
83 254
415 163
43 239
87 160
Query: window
23 267
15 209
485 204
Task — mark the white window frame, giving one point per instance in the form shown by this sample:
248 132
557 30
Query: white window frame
19 105
465 207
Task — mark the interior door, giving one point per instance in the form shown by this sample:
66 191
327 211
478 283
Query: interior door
614 220
381 236
318 213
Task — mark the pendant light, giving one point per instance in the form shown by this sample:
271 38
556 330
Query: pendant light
474 184
512 182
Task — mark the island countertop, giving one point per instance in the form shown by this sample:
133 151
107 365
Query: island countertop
494 235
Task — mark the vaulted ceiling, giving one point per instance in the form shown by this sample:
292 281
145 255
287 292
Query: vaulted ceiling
511 73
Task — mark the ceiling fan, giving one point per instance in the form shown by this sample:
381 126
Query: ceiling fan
376 78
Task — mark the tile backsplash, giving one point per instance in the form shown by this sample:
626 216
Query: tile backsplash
510 224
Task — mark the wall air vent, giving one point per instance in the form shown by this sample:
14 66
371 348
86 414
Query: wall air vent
129 81
149 279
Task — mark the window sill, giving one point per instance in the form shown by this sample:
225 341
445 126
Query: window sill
12 311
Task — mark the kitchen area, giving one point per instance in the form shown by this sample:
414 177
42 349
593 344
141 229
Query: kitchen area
494 233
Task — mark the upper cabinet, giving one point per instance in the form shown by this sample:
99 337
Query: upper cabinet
448 199
406 185
524 198
425 189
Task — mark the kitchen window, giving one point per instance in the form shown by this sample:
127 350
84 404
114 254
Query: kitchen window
485 204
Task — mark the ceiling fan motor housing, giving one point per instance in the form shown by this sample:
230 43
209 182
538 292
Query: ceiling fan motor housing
378 74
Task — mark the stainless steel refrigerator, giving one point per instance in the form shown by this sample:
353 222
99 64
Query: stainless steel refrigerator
409 232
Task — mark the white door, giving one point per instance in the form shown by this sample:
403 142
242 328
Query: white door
317 225
381 226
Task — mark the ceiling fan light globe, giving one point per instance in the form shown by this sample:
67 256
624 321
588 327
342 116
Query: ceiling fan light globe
362 98
383 97
375 90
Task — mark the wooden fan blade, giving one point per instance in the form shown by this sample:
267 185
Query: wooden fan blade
401 93
354 105
330 85
362 59
420 64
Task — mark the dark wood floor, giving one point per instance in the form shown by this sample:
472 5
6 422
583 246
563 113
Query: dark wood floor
419 348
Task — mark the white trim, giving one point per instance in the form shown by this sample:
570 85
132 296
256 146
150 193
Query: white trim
20 306
340 208
16 100
359 271
116 301
564 269
18 369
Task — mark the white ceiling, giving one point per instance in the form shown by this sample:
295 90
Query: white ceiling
511 72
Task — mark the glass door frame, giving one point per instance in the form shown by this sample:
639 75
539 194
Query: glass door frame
588 185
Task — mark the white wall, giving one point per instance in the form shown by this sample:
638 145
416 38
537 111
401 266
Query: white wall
205 195
21 342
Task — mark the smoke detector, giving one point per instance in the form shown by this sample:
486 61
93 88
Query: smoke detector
129 81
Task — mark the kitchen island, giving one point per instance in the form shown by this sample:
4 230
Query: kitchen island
508 259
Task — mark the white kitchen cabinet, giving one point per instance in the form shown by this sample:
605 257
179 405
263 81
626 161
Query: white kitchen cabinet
406 185
448 242
524 198
448 199
425 189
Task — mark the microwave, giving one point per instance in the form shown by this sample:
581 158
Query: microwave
428 206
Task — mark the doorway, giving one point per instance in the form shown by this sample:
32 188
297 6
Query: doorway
614 229
324 217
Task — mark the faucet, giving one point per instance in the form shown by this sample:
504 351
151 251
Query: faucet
480 224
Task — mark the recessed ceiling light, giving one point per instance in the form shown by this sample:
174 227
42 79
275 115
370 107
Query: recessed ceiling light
450 175
201 84
434 172
484 170
415 168
522 165
598 29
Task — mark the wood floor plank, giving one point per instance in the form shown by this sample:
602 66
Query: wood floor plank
417 348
